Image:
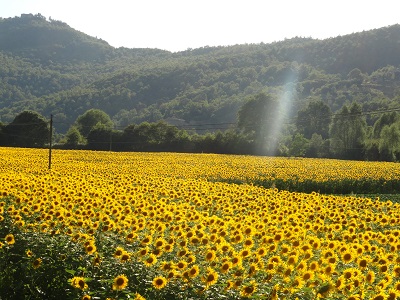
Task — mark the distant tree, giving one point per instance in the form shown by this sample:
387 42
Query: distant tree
372 150
356 75
316 147
348 132
389 144
91 118
28 129
2 135
315 118
259 116
73 138
100 137
298 146
386 119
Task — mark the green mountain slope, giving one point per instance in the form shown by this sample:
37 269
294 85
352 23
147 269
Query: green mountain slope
49 67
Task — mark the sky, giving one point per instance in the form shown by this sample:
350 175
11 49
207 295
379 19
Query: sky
177 25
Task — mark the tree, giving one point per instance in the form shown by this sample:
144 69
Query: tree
316 147
348 132
28 129
100 138
385 119
315 118
2 135
73 137
389 143
298 146
260 117
91 118
356 75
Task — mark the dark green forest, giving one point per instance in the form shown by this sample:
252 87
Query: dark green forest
337 97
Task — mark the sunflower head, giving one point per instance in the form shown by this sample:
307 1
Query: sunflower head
120 282
10 239
159 282
36 263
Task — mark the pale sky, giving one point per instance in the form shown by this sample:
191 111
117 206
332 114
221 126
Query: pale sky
177 25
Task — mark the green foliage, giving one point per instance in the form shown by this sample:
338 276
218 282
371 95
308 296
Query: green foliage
73 138
28 129
259 116
315 118
51 68
299 146
348 132
389 145
91 119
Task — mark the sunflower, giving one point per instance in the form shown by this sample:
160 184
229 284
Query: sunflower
248 243
262 251
169 248
160 243
249 289
211 277
297 283
118 252
96 261
329 269
150 260
362 262
126 256
29 253
166 266
396 287
120 282
292 260
10 239
36 263
393 294
147 240
370 277
86 297
91 248
236 261
245 253
340 283
237 238
143 252
229 285
194 271
396 270
210 255
379 296
181 265
159 282
79 283
348 256
139 297
307 276
191 259
225 267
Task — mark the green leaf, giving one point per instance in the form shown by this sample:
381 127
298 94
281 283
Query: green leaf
72 272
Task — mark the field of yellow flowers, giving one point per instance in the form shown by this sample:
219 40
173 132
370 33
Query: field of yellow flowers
103 225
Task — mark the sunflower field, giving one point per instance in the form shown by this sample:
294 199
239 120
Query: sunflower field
104 225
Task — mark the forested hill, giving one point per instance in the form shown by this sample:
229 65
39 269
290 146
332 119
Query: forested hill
49 67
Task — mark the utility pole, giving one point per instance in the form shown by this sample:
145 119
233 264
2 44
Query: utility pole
50 139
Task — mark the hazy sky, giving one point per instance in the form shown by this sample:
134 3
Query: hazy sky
176 25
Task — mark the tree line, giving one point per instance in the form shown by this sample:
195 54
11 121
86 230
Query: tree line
261 129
